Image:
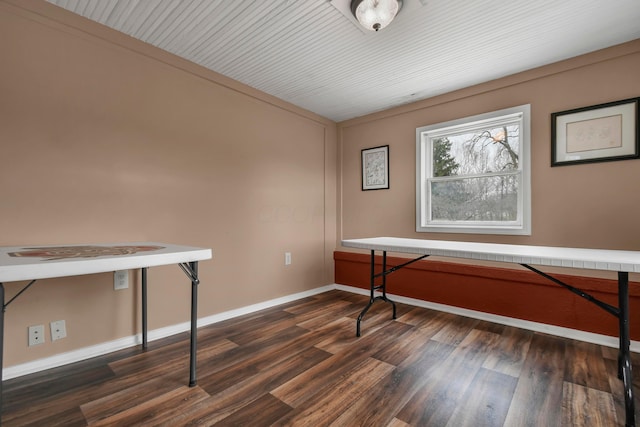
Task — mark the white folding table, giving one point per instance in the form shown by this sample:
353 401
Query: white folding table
622 262
32 262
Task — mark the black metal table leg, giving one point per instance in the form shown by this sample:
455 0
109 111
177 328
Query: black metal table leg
191 270
624 355
384 284
194 323
144 308
373 288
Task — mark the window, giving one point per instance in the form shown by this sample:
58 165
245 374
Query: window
473 174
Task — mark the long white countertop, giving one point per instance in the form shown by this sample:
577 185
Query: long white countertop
31 262
595 259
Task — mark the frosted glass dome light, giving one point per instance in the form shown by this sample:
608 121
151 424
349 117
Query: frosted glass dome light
374 15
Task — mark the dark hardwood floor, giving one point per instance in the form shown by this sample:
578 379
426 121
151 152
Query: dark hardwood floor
300 364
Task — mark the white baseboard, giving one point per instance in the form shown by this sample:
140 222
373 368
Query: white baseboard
121 343
559 331
262 305
130 341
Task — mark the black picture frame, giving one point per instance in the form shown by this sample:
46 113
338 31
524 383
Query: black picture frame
598 133
374 164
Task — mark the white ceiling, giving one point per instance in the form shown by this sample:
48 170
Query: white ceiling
312 54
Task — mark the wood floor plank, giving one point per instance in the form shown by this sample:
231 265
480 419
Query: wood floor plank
269 329
536 400
51 417
435 403
397 423
249 322
234 398
256 361
145 364
153 410
197 414
587 407
48 390
456 330
405 350
105 390
326 315
311 312
585 366
126 398
487 326
609 353
486 402
327 407
379 404
321 377
267 332
210 369
414 316
263 411
510 353
384 337
309 305
376 318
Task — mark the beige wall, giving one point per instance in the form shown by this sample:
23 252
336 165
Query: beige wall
105 139
590 205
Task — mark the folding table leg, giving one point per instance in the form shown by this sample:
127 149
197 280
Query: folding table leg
624 355
194 323
373 288
144 308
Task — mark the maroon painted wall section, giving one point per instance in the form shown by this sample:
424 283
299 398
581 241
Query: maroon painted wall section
503 291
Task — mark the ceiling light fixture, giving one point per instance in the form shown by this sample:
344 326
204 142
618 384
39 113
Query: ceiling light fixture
374 15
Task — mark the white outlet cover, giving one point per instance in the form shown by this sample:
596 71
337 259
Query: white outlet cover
120 279
36 335
58 330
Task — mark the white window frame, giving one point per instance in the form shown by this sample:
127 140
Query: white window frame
424 172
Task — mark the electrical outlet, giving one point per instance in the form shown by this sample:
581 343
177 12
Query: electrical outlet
58 330
120 279
36 335
287 258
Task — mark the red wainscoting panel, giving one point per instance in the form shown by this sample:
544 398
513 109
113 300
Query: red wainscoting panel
503 291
